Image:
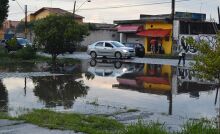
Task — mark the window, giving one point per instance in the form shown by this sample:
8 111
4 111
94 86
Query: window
99 44
108 45
117 44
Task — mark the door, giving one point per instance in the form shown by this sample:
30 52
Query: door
99 47
109 49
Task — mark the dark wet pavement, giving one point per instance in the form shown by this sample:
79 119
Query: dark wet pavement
155 92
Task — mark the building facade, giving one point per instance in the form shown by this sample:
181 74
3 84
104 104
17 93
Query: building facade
160 35
46 11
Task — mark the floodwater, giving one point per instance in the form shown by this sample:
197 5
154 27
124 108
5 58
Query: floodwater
153 92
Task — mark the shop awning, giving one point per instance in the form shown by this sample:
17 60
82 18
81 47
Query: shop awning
155 33
129 28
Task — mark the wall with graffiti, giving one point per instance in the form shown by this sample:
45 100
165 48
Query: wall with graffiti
211 39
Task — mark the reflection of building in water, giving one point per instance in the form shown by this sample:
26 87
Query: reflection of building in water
163 80
3 98
188 83
154 79
157 77
59 90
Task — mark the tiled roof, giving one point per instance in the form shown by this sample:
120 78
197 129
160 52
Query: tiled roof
58 11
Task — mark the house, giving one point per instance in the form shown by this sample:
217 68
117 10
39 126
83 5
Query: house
8 28
46 11
100 31
144 31
151 29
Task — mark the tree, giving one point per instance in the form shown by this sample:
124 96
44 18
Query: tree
20 28
57 34
3 10
207 62
59 90
3 98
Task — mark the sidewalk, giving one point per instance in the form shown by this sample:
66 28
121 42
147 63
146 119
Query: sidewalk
19 127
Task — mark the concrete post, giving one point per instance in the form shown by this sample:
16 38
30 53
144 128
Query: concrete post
121 37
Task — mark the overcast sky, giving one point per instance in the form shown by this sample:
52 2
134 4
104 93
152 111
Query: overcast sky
109 14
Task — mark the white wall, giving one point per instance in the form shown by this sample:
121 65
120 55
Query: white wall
99 35
210 38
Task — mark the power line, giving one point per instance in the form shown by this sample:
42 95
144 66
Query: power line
135 5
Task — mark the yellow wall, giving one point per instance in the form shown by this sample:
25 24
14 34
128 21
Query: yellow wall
42 15
166 70
167 45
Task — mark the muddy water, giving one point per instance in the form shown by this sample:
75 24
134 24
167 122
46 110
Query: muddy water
153 92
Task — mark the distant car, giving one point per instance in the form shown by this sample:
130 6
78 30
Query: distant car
3 43
20 43
110 49
139 48
23 42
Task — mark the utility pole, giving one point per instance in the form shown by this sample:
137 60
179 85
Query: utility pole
25 23
74 10
218 15
172 19
173 11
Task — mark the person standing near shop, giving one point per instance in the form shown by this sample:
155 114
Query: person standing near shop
182 52
153 46
159 46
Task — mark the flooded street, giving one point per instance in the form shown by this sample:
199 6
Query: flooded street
123 90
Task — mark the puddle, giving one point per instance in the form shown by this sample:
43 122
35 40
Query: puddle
153 92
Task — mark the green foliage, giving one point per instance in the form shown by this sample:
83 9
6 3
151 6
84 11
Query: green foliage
92 26
76 122
21 26
207 62
102 125
3 51
200 127
26 53
141 128
58 34
12 44
3 10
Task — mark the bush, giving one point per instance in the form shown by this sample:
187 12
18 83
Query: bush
11 45
3 51
26 53
80 48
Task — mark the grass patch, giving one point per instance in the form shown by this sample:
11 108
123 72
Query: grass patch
102 125
4 115
202 126
141 128
76 122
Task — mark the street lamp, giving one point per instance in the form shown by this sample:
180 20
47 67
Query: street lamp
74 8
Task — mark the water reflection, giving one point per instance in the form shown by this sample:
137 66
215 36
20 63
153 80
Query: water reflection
115 84
3 98
111 68
188 83
163 80
59 90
